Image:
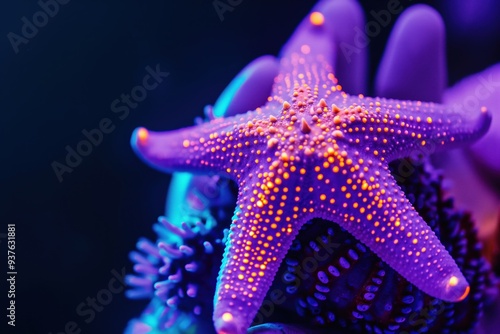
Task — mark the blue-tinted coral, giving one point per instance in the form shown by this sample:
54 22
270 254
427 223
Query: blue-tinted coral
178 271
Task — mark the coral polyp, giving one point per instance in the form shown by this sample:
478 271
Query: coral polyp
177 272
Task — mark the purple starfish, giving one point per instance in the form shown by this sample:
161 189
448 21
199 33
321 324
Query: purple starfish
315 151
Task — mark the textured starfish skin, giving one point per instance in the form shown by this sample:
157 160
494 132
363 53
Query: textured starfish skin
315 151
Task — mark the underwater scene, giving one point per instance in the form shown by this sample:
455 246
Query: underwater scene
236 167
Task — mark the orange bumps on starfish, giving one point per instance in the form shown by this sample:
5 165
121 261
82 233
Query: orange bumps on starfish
142 135
317 18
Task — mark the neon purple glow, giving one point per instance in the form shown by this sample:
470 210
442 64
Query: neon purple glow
314 151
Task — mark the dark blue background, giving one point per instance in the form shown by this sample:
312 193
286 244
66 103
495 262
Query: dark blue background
70 235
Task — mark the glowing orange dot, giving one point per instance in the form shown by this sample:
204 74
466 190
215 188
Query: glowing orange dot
142 135
317 18
453 281
227 317
185 143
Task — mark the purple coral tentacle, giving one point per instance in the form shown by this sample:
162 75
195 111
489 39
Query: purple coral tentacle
414 64
249 89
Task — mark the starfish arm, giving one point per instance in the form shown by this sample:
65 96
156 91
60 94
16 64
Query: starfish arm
210 147
261 233
394 129
372 207
325 40
311 37
308 56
